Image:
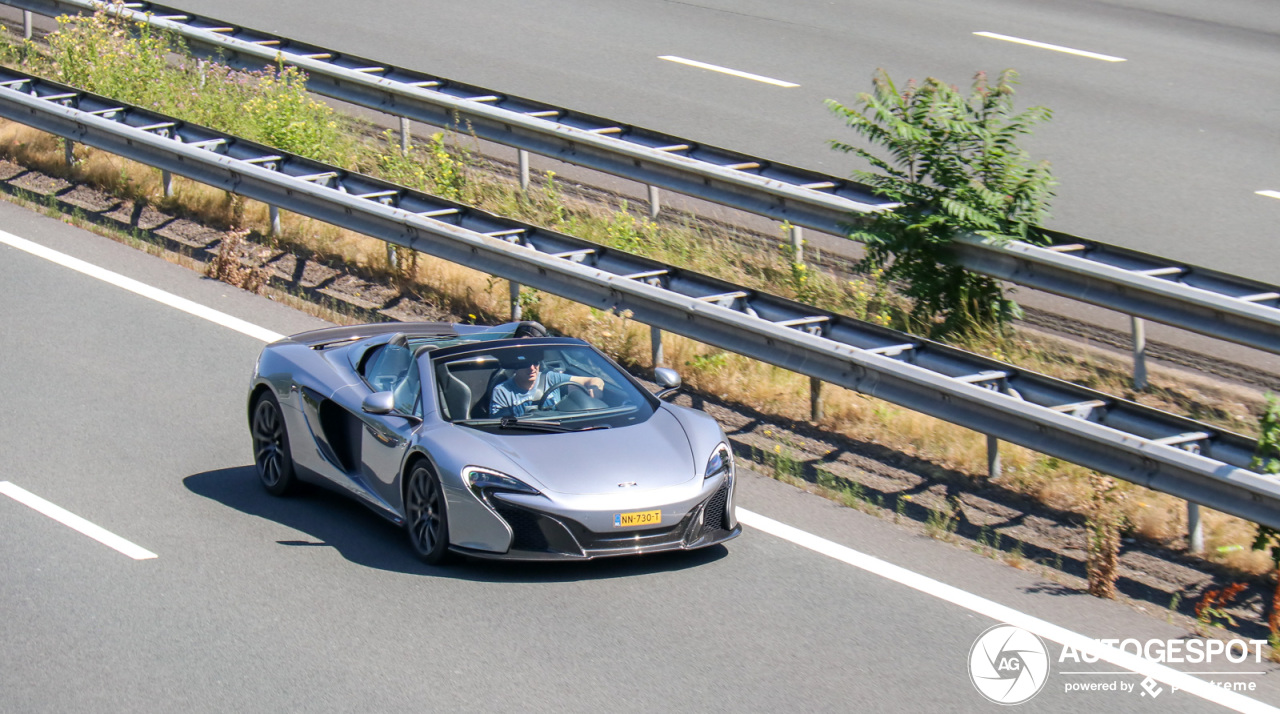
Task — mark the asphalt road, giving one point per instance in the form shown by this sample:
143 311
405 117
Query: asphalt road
131 414
1163 152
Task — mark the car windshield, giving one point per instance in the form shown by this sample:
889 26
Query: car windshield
517 386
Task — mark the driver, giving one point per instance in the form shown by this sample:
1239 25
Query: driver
529 383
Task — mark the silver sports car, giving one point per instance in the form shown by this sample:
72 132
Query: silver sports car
483 442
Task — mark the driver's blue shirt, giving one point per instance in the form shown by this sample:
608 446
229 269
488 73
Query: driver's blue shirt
509 400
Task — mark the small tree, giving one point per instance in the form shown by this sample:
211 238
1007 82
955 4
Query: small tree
1266 460
954 166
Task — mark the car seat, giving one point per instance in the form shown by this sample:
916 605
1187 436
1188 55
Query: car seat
457 397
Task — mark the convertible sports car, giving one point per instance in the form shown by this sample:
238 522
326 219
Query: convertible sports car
492 445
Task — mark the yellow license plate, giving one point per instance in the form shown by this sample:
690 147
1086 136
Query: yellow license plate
639 518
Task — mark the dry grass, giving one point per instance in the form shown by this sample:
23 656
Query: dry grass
1227 406
734 378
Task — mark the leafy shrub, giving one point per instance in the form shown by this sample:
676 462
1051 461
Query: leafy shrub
954 166
111 56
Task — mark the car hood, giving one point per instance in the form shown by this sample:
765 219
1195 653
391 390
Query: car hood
651 455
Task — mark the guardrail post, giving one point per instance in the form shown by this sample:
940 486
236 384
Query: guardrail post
655 203
993 444
655 340
1139 353
517 311
26 24
1195 529
69 153
393 258
404 136
166 182
522 159
797 245
815 399
274 212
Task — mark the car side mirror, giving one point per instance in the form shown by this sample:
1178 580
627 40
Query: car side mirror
668 379
379 403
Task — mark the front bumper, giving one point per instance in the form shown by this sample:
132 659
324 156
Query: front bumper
543 536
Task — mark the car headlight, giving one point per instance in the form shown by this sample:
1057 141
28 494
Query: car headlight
721 461
482 479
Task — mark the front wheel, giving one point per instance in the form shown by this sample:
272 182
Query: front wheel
426 518
271 446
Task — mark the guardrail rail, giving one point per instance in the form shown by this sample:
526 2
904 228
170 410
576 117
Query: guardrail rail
1145 286
1165 452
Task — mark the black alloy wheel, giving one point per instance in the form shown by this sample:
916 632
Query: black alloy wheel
425 516
271 446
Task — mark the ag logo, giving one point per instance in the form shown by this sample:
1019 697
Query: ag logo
1008 665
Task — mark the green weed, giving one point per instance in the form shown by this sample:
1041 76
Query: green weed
942 524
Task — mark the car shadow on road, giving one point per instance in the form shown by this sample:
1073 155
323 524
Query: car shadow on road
364 538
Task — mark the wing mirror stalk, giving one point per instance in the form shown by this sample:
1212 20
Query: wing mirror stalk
668 379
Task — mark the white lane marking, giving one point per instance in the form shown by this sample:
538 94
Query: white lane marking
71 520
815 543
1002 613
134 286
726 70
1047 46
1268 194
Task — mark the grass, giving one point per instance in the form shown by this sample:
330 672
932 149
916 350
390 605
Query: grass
941 524
272 106
850 494
781 461
1015 557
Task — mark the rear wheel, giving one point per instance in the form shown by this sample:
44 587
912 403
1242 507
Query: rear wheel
426 518
271 446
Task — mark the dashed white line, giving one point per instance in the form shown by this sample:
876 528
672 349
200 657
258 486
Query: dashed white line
71 520
1268 194
1002 613
726 70
140 288
817 544
1047 46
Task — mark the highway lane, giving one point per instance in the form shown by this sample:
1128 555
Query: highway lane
1163 152
130 414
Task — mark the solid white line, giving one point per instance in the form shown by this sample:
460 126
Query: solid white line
140 288
1002 613
71 520
871 564
1047 46
726 70
1268 194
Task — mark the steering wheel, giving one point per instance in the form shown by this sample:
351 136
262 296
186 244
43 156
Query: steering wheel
542 403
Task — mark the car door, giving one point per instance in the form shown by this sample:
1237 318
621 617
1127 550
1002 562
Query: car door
384 438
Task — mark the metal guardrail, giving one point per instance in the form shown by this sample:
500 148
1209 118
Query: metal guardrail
1190 297
1161 451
